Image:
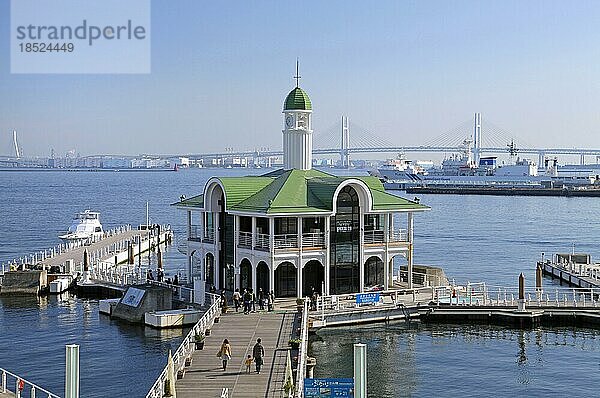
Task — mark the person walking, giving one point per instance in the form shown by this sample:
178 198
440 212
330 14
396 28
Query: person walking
225 353
269 303
261 299
247 298
236 299
253 300
258 352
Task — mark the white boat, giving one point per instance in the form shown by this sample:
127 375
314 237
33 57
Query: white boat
85 227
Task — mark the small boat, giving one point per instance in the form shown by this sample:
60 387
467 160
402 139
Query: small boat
85 227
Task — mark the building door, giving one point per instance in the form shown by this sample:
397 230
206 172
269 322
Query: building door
285 280
313 276
245 274
262 276
374 272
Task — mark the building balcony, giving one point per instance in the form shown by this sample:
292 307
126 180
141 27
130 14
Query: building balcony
195 234
209 236
377 236
262 242
313 239
245 239
286 241
374 236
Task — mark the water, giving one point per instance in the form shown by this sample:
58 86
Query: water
473 237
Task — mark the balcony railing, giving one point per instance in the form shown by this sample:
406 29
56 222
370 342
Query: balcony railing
262 242
195 234
313 239
245 239
378 236
286 241
374 236
209 235
399 235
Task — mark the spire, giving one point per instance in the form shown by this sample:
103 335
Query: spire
297 77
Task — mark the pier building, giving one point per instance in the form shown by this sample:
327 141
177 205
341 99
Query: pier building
297 229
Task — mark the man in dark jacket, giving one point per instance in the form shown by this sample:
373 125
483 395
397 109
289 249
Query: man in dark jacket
258 352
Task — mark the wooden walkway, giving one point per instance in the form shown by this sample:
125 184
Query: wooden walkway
206 378
77 254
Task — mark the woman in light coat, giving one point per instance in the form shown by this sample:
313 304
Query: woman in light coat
225 353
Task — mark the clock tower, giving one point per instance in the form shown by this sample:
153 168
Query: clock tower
297 129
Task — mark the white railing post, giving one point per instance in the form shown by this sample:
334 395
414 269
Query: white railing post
3 380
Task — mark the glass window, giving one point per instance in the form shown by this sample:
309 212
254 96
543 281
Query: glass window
345 240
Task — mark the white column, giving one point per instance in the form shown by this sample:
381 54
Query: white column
72 371
216 264
299 272
189 222
272 251
410 250
253 273
386 239
254 232
361 252
327 254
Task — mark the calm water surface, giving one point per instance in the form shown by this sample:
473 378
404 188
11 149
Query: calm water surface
473 237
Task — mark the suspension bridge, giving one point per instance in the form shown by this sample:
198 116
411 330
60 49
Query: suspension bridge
345 138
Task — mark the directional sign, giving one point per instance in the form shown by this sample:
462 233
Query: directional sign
329 388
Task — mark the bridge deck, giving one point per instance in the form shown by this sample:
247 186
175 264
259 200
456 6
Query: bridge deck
206 378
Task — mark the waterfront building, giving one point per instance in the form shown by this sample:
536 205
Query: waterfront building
297 229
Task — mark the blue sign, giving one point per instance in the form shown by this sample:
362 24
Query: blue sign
328 388
367 298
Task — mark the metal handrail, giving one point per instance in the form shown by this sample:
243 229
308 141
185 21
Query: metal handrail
34 388
195 233
187 346
302 352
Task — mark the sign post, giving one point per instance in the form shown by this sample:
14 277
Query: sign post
72 371
360 370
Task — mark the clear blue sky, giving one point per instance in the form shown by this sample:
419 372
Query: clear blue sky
407 70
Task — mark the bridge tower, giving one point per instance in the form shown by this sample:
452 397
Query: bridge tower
477 139
344 150
16 144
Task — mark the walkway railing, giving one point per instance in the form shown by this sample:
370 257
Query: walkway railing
186 348
421 279
302 354
479 294
22 386
40 256
209 236
181 292
121 275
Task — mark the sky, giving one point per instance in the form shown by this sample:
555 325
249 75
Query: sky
408 71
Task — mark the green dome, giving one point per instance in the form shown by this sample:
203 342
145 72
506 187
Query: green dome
297 99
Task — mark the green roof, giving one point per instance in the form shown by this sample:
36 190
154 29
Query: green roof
297 99
297 191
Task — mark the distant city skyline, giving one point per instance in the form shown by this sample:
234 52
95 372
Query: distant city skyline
407 71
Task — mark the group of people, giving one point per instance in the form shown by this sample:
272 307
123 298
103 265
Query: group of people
249 299
160 276
258 354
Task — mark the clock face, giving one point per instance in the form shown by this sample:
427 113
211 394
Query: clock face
289 120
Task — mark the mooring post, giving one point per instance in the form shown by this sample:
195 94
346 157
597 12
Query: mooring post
521 300
538 282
